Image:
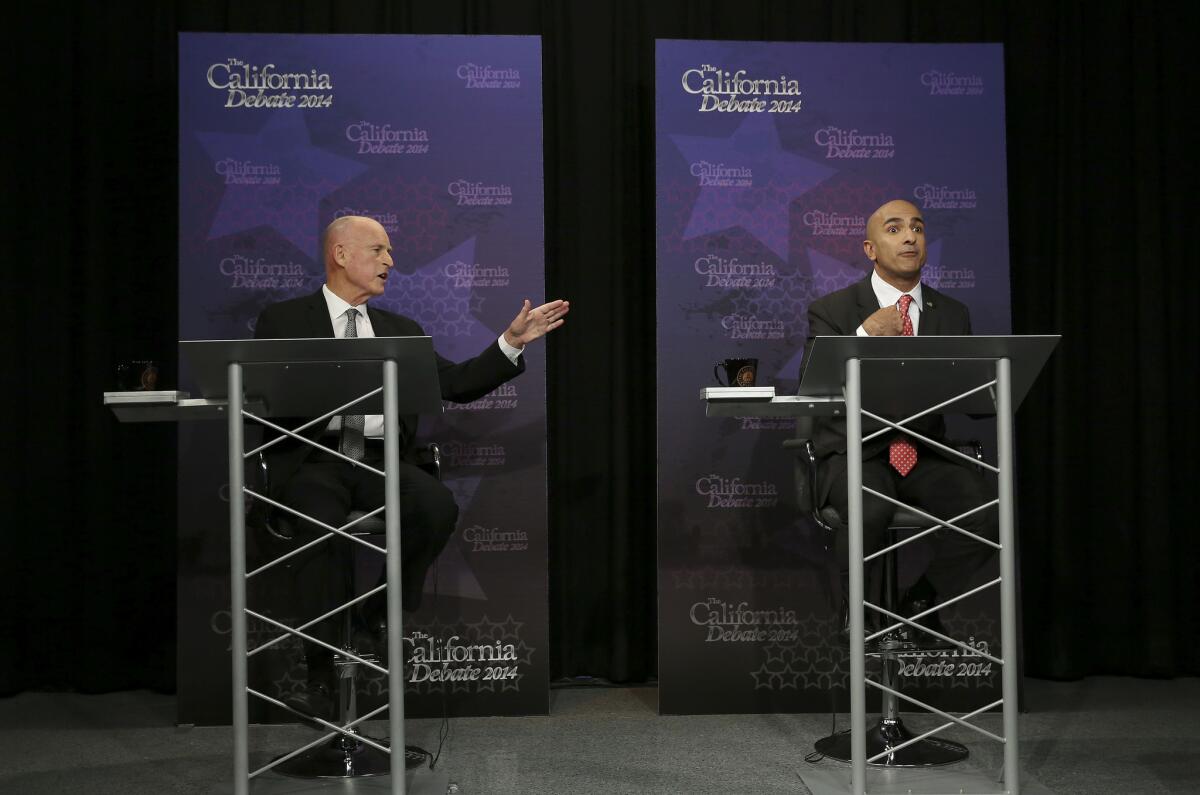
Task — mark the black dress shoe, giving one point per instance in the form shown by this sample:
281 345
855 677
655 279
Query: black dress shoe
316 700
892 641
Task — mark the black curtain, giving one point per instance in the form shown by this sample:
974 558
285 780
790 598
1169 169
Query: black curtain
1097 178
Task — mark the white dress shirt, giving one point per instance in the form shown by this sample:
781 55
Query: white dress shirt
887 295
373 423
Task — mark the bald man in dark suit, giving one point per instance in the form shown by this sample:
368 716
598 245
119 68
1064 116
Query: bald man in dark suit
358 260
892 301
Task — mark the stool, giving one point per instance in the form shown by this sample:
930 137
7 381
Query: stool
890 731
359 755
343 756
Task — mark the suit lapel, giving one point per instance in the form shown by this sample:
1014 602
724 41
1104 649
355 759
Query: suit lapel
379 323
866 300
931 317
317 321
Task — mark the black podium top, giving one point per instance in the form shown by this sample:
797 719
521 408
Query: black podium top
308 377
900 375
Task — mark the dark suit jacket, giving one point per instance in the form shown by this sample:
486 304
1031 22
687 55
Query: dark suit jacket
840 314
308 317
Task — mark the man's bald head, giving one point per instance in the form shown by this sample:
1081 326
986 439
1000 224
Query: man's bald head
338 232
358 258
895 209
895 242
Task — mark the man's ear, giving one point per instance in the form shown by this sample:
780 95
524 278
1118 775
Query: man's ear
339 254
869 250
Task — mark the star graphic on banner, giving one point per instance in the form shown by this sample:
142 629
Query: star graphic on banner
774 652
525 653
441 305
762 678
784 302
779 177
485 630
512 683
788 678
286 685
813 627
511 627
306 174
823 666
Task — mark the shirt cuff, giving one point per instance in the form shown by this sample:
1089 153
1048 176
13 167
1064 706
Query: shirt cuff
862 332
512 353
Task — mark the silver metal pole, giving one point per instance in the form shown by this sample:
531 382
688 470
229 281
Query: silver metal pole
1008 580
237 584
858 699
395 635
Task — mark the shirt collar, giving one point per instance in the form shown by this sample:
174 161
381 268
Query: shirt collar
889 295
337 307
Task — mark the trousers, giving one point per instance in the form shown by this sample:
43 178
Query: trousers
329 489
936 485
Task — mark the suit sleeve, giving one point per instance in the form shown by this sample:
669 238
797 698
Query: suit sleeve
470 380
460 382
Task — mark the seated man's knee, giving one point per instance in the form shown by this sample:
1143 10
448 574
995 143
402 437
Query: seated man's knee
877 515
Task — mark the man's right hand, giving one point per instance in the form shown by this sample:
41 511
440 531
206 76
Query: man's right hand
885 322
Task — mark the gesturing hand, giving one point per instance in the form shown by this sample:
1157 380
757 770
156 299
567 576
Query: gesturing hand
885 322
530 324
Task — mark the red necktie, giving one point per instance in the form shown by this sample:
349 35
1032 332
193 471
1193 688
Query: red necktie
901 453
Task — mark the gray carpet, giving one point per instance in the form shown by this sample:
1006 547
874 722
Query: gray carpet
1101 735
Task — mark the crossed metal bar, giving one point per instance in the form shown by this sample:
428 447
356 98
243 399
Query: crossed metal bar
1000 390
238 491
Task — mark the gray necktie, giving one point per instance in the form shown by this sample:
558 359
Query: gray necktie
352 444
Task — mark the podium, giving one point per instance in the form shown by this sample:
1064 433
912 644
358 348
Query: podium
910 377
322 378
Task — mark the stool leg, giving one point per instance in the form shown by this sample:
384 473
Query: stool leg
342 756
890 731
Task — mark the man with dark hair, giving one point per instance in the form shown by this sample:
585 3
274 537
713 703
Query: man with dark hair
358 260
893 302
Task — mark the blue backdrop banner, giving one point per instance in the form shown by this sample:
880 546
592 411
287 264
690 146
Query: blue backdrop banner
770 158
439 139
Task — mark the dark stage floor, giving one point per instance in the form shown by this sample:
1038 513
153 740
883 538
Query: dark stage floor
1100 735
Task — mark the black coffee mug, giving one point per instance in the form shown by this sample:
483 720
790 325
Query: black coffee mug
136 376
738 372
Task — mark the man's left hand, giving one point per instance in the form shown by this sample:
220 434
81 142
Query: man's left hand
532 323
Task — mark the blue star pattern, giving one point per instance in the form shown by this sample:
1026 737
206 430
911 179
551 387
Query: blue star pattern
444 309
776 178
305 175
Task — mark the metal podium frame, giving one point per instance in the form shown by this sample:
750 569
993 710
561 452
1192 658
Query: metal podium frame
976 375
303 377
